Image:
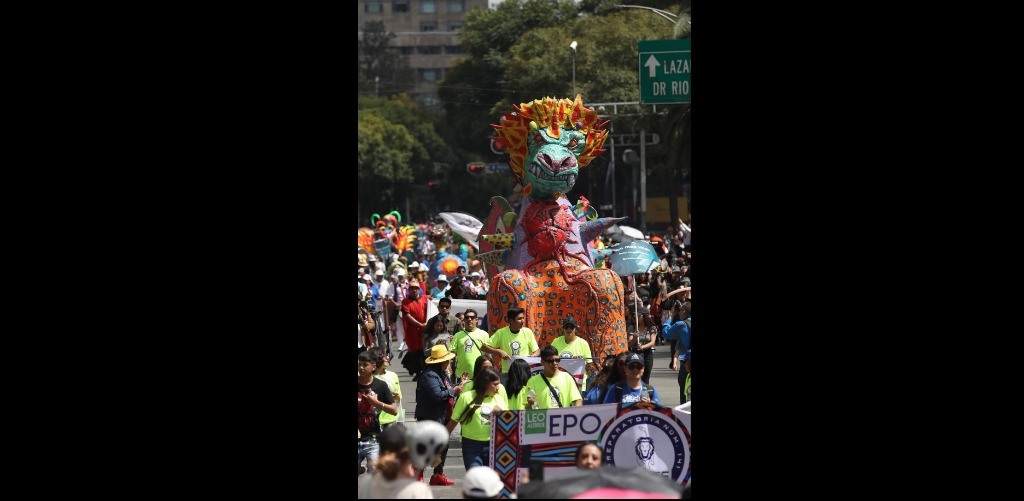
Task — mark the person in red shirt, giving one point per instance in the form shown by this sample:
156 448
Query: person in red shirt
414 319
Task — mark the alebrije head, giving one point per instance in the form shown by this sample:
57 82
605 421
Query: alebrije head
548 141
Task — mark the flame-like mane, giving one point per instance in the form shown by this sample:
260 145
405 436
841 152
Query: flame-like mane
550 114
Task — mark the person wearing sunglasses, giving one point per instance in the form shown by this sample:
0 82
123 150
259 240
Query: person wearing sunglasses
571 345
554 388
466 344
633 388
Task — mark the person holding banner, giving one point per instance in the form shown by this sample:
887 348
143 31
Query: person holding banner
473 410
554 388
569 345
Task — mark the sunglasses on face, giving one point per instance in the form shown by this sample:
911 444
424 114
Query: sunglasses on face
635 366
551 360
469 318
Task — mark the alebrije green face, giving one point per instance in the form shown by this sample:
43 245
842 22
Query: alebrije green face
551 168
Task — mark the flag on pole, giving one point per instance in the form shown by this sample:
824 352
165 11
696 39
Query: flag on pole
468 227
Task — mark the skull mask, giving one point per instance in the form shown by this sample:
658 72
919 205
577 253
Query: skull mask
426 442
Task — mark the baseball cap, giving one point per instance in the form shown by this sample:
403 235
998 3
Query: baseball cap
633 358
569 321
481 482
366 276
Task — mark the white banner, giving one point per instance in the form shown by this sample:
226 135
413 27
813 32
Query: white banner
575 366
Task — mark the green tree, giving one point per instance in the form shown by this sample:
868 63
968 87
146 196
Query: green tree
382 70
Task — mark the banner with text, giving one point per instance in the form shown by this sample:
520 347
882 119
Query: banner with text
638 435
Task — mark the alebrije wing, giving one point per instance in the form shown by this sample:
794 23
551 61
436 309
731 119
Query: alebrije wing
405 237
496 223
366 240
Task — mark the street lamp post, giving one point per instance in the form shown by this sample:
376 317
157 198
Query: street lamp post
573 47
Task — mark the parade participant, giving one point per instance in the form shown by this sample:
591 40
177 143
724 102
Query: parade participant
677 327
388 376
519 375
435 398
554 388
570 345
512 340
474 410
467 343
597 387
414 319
373 396
633 388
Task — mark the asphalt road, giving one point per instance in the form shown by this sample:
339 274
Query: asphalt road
662 378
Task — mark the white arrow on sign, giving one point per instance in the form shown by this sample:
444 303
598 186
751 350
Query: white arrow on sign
651 64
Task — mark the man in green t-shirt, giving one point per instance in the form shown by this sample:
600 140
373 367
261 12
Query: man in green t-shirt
569 345
512 340
467 343
554 388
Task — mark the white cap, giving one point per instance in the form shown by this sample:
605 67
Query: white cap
424 265
379 272
481 482
474 274
400 272
442 278
366 276
414 265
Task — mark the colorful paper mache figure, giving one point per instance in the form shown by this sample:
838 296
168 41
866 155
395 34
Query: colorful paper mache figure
539 259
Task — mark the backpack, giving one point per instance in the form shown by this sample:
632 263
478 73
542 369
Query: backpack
621 386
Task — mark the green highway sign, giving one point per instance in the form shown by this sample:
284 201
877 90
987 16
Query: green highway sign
664 71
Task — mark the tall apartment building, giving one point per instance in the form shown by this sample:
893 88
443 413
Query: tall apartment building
426 33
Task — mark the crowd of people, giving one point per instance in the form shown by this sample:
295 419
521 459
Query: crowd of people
464 375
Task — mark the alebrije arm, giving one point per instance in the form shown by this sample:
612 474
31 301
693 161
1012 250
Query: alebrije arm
592 229
495 257
500 240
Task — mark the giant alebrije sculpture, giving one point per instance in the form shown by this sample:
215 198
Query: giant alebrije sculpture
538 259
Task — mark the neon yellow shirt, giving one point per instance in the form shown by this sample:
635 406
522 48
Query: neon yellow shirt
518 402
501 389
477 428
563 383
466 347
579 348
391 379
520 344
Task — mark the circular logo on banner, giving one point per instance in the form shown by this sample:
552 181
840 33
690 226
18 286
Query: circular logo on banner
651 440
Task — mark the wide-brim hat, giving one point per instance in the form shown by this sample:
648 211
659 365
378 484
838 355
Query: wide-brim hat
439 353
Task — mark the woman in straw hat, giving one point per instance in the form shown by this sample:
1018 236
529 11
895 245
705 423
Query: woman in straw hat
435 398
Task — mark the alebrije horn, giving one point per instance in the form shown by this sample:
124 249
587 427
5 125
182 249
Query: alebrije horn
591 229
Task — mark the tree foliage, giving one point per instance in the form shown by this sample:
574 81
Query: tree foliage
378 60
